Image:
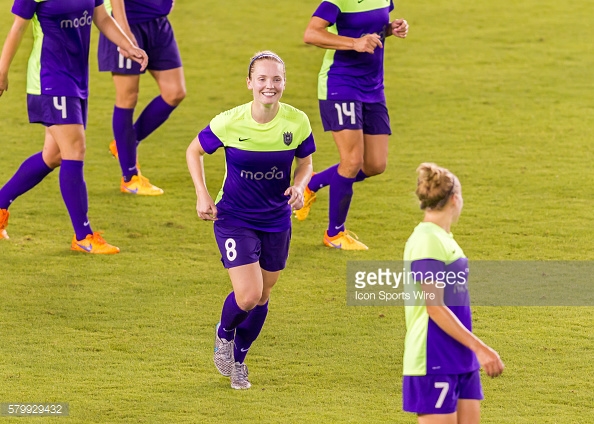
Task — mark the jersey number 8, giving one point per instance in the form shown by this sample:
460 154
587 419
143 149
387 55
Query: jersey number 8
230 249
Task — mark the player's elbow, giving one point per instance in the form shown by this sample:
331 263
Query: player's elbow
309 37
194 149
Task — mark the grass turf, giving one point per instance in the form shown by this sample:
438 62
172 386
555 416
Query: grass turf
497 92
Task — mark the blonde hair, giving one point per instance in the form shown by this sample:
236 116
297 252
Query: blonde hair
435 186
263 55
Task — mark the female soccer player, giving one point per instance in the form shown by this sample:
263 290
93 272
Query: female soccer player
352 102
253 210
57 90
145 22
442 357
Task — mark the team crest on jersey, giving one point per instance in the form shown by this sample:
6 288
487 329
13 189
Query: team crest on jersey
288 138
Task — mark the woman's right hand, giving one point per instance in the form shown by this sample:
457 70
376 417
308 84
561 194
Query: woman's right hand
207 210
490 361
368 43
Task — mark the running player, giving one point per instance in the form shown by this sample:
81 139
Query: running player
352 102
145 22
57 90
442 357
252 213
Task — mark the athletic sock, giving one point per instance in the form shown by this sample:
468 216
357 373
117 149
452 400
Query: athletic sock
341 193
247 332
74 193
125 137
31 172
152 117
322 179
231 316
360 176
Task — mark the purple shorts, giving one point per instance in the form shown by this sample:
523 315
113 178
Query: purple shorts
56 110
338 115
439 394
242 246
155 37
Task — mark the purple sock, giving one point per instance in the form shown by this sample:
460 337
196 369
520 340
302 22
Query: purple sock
152 117
123 131
29 174
360 176
247 332
341 193
74 193
231 317
322 179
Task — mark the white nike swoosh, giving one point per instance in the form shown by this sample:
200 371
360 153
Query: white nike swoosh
244 350
87 248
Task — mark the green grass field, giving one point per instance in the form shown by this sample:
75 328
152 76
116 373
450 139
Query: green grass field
498 92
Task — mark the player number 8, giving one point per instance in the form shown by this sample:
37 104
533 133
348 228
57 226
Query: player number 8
230 248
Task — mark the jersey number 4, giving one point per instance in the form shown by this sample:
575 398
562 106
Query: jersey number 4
345 109
60 104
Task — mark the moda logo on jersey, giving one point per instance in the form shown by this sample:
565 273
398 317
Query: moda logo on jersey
273 174
84 20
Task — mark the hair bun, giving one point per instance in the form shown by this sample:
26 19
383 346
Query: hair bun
434 185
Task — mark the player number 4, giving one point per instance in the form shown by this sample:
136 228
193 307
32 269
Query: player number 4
346 109
60 104
230 248
444 386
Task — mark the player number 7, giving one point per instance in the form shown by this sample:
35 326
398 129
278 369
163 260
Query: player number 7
444 386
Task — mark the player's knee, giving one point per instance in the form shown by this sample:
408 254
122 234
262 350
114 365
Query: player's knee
74 151
127 100
247 301
174 97
350 167
52 160
78 151
374 168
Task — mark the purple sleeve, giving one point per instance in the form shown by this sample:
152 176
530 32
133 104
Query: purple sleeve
209 141
328 12
427 268
24 8
391 5
306 148
98 3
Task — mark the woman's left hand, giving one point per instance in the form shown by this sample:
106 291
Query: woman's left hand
399 28
136 54
295 197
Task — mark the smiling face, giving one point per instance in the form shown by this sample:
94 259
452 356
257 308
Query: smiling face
267 81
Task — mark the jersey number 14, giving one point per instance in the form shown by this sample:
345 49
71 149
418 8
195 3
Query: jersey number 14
345 109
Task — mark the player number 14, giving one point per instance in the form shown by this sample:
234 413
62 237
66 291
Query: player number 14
346 109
